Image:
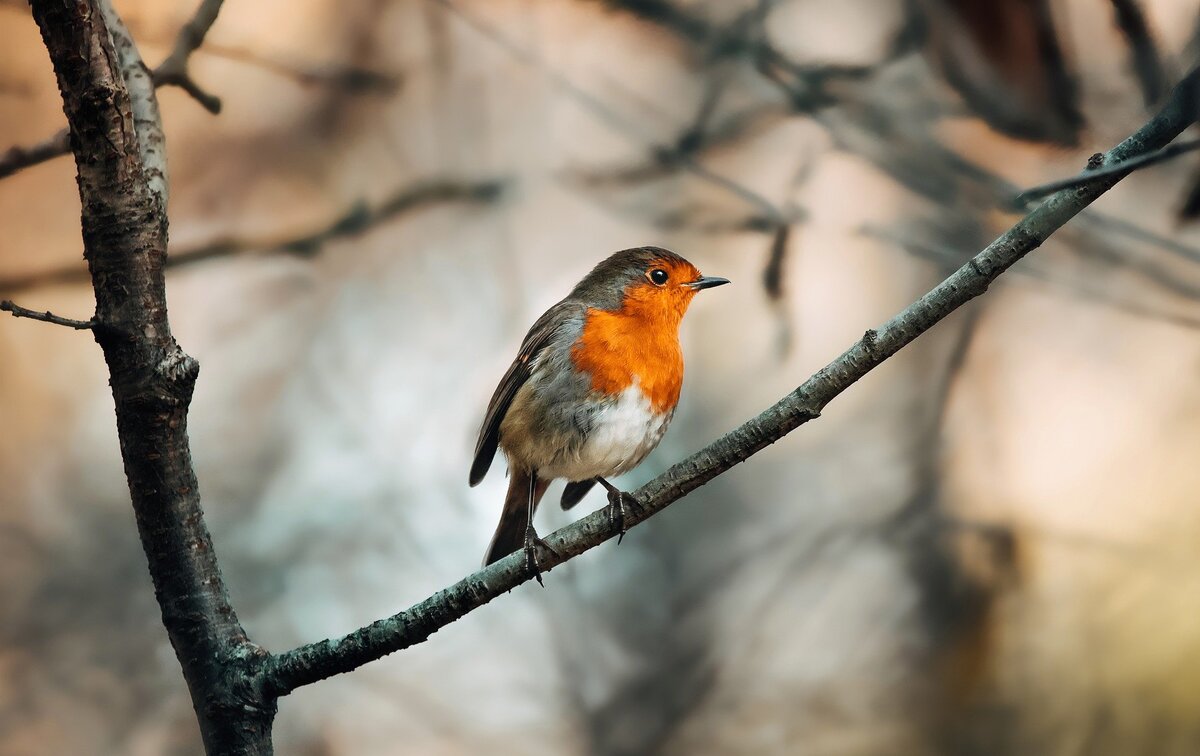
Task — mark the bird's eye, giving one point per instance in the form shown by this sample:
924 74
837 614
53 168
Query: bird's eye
658 276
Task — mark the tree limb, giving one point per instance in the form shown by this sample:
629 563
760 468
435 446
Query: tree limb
116 136
358 219
1108 170
17 157
45 316
173 70
285 672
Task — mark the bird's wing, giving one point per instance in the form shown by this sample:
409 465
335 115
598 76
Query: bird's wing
539 336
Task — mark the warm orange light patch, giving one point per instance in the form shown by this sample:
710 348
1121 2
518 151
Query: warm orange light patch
641 340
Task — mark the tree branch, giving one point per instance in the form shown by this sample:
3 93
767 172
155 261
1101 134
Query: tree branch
285 672
1147 63
17 157
358 219
46 316
173 70
343 77
1107 170
117 139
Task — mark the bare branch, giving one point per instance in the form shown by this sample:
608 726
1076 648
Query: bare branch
627 126
16 157
1107 170
172 71
1080 288
305 665
18 311
358 219
346 78
1147 63
124 224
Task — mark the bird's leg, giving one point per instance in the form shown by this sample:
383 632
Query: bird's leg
617 503
532 539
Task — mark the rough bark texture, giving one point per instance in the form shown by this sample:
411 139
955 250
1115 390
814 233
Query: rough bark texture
124 224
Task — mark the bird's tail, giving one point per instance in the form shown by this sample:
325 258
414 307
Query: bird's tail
510 533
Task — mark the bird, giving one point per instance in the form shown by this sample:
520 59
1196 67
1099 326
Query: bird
591 391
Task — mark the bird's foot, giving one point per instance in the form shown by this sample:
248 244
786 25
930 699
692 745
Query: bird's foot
618 507
532 542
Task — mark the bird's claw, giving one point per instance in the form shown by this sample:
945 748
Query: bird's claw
617 504
532 542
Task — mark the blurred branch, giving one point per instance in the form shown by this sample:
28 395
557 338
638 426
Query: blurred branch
807 84
17 311
630 127
285 672
1147 63
357 220
348 78
1106 170
943 256
360 218
173 70
17 157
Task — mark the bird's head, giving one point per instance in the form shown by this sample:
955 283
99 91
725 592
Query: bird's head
645 282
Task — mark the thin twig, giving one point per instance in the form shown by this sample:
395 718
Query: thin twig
285 672
347 78
1082 289
1107 171
17 157
173 70
629 127
46 316
359 218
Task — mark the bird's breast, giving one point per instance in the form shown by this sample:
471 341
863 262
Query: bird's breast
617 351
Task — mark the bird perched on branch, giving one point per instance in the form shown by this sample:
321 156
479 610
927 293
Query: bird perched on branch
591 391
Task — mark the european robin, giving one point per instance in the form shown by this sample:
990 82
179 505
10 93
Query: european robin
591 391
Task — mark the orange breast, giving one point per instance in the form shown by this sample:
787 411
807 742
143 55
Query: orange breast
634 343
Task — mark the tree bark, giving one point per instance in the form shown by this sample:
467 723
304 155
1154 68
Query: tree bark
120 176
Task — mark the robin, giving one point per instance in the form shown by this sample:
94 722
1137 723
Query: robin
591 391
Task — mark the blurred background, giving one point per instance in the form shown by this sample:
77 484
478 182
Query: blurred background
985 547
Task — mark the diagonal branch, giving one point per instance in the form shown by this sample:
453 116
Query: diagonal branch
173 70
285 672
1107 170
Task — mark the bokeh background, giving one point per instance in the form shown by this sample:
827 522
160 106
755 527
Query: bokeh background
988 546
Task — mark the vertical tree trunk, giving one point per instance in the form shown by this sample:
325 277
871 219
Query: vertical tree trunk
123 192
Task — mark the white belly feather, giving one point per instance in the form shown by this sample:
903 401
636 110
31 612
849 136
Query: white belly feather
622 434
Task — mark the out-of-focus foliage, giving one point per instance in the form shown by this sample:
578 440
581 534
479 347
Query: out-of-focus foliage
986 547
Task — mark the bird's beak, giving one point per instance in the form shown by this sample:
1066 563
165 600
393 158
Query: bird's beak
706 282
